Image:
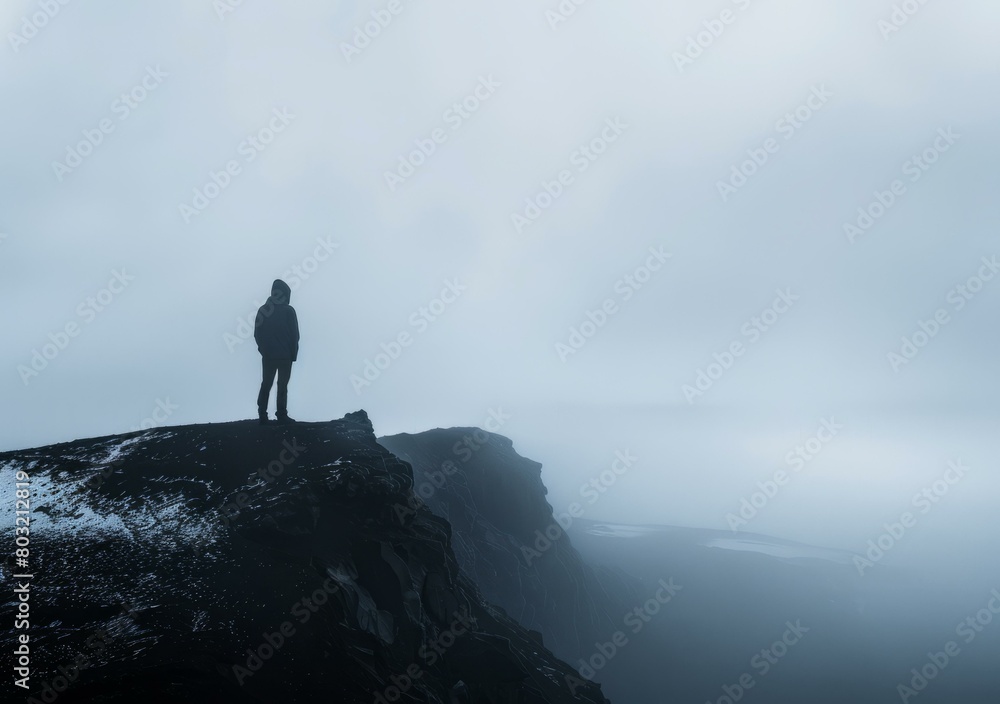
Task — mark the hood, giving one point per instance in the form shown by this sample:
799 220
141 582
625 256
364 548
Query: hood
281 292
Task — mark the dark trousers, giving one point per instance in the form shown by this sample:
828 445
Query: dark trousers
283 368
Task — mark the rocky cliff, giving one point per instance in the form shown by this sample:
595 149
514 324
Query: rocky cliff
238 563
508 540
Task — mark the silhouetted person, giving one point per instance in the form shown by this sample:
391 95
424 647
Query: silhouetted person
276 331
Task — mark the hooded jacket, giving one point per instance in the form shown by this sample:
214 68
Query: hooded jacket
276 328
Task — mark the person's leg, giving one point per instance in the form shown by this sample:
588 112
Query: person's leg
284 374
268 369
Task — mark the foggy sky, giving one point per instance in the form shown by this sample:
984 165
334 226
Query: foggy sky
547 87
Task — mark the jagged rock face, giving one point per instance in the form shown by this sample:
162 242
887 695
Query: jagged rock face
506 538
239 563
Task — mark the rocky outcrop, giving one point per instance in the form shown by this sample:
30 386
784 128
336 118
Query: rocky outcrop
507 539
238 563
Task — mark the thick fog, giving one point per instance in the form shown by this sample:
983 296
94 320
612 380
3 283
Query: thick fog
699 234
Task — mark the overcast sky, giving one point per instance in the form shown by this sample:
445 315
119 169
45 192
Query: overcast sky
130 269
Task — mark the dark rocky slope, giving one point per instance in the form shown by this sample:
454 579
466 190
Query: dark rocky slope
234 563
508 541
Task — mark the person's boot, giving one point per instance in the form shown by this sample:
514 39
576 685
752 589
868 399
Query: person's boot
262 418
283 419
